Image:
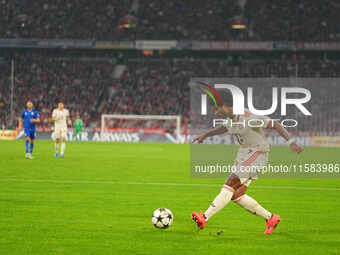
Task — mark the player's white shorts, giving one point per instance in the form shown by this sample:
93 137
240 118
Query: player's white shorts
248 163
60 133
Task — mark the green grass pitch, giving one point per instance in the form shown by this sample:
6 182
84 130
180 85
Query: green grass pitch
99 200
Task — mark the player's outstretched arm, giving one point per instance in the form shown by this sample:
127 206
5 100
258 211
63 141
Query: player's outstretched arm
284 133
20 125
216 131
21 120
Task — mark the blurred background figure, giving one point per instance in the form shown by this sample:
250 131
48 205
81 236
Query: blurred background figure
78 127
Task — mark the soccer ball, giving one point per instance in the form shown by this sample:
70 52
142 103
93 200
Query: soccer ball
162 218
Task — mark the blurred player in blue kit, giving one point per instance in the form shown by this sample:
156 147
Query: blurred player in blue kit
28 120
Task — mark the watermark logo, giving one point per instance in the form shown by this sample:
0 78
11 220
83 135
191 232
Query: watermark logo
239 99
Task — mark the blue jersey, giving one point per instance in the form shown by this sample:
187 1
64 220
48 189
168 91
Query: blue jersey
27 116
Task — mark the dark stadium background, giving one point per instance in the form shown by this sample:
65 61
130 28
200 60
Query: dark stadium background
96 54
138 57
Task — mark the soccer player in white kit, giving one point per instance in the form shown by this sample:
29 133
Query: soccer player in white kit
61 117
251 157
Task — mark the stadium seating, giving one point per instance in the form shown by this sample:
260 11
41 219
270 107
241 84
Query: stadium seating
60 19
174 20
147 86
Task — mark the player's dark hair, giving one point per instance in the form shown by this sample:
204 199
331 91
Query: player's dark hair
29 101
226 97
33 106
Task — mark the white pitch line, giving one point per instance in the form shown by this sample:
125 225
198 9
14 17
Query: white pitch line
162 184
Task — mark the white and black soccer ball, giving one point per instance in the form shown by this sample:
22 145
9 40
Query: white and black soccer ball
162 218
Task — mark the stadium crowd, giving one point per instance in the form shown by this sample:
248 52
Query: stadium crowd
156 86
61 19
78 83
298 20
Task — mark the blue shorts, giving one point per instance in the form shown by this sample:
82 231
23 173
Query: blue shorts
29 133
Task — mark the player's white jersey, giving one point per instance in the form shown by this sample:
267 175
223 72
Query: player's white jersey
248 130
61 118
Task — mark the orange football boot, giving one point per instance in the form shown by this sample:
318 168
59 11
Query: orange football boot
199 219
271 224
